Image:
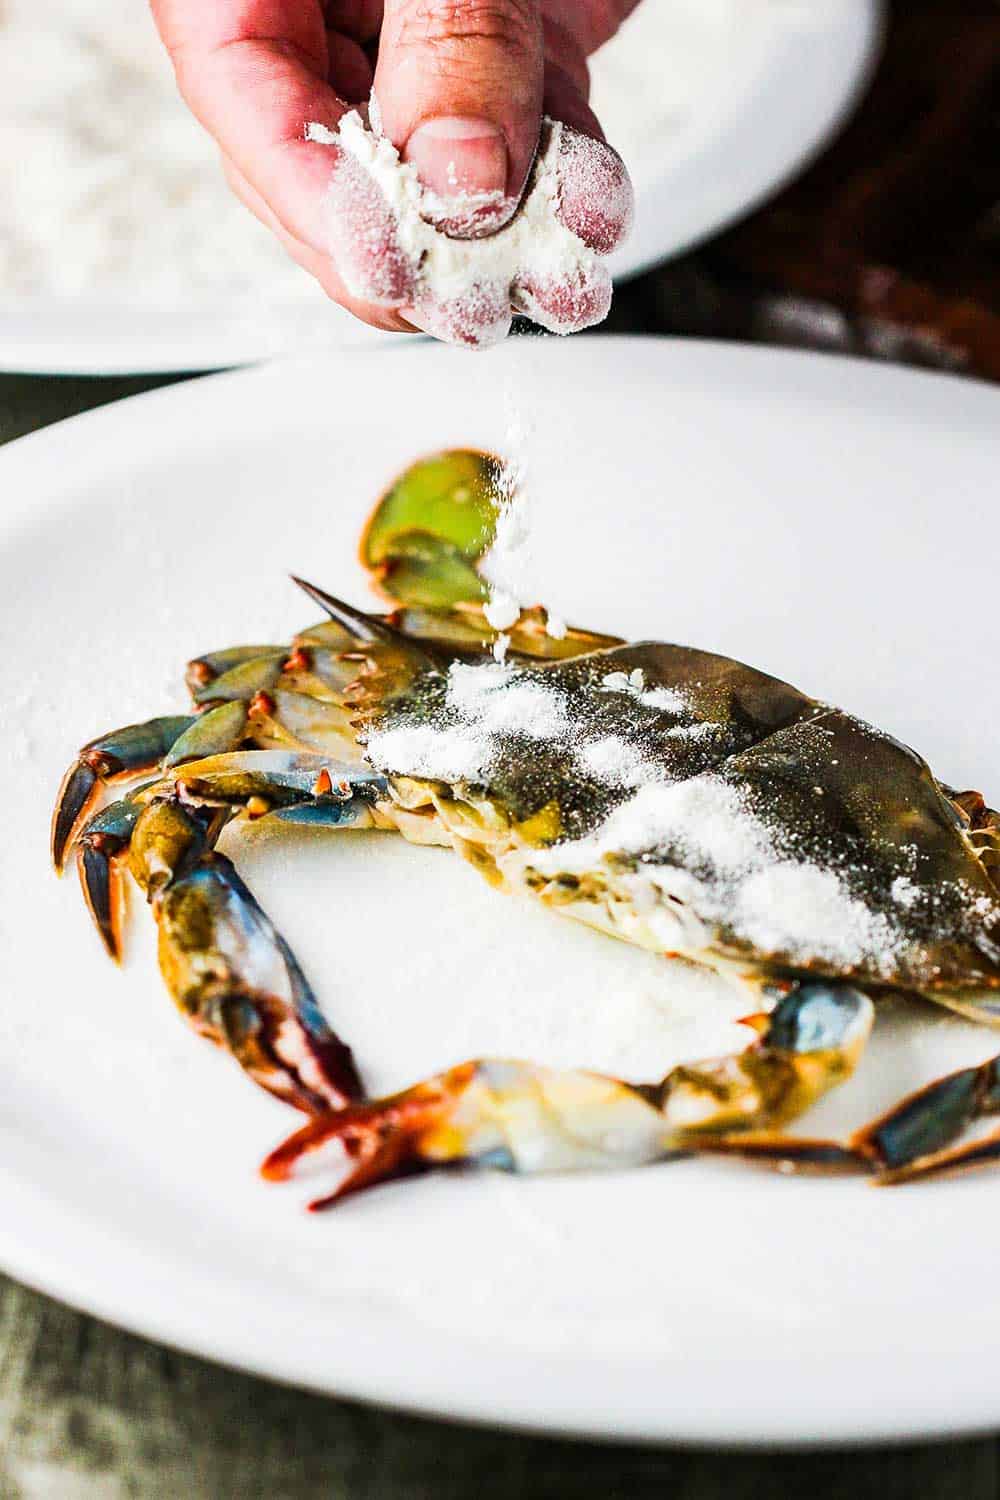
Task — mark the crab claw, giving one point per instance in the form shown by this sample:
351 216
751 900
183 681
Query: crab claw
490 1113
234 976
917 1137
807 1045
382 1140
101 852
227 967
124 752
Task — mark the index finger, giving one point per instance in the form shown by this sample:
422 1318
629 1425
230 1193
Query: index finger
254 72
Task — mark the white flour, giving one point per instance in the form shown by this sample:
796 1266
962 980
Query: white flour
506 567
109 187
634 685
751 880
710 849
451 270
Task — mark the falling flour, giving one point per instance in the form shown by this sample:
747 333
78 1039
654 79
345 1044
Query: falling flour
508 566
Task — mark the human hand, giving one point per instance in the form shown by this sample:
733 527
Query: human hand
461 88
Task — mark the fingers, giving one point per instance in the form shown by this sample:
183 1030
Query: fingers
254 73
476 319
596 200
459 86
567 304
315 262
592 24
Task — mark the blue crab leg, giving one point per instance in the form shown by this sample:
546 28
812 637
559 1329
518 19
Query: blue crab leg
523 1118
287 696
227 967
211 733
123 752
918 1136
257 675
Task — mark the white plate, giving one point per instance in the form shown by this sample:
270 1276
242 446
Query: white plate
829 521
727 99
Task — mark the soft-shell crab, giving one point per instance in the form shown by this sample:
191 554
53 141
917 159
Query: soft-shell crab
676 799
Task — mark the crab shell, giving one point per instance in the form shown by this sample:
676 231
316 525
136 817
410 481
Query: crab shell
833 794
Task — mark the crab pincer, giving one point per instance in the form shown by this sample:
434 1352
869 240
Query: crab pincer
519 1117
101 852
227 967
113 757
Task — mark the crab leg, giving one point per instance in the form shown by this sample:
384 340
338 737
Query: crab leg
267 781
916 1138
523 1118
283 716
228 969
103 841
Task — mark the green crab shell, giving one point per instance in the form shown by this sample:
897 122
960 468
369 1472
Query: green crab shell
833 794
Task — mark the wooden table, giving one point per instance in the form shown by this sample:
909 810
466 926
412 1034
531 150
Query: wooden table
89 1413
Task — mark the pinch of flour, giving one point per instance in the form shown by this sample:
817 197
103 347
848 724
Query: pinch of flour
459 283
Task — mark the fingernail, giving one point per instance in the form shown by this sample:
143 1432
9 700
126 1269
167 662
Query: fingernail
459 155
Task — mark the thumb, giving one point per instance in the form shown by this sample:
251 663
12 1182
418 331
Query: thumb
459 91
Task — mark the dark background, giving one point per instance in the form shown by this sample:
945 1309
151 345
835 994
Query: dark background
887 248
